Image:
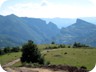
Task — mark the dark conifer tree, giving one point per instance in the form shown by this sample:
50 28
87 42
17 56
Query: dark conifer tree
30 53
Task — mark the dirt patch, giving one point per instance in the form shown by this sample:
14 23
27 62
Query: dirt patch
51 68
25 69
66 68
11 63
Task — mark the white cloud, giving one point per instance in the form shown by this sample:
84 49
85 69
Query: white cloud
93 2
1 2
49 10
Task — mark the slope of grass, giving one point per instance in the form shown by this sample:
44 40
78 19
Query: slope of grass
68 56
9 57
75 57
12 56
42 47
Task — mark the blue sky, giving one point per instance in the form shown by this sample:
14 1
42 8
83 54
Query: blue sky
49 8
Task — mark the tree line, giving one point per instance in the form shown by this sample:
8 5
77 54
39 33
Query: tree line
9 50
74 45
17 49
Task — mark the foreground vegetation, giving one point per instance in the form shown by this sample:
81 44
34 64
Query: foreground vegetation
31 54
74 57
70 56
4 59
60 55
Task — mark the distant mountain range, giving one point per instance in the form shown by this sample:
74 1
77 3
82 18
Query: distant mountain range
81 31
65 22
16 30
61 22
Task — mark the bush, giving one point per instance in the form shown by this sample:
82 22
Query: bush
1 52
31 54
51 47
69 46
7 50
48 63
78 45
52 42
15 49
65 53
61 46
83 67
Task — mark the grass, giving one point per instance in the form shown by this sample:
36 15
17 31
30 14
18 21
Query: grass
75 57
65 56
18 64
12 56
42 47
9 57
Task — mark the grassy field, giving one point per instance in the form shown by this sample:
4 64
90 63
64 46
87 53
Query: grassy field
65 56
42 47
72 56
12 56
9 57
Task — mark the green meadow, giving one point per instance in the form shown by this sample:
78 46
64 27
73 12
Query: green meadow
9 57
64 56
73 56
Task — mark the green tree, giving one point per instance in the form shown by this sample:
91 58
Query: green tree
52 42
7 50
31 54
78 45
15 49
61 46
1 52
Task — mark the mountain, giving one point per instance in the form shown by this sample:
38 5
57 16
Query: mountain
61 22
81 31
65 22
17 30
89 19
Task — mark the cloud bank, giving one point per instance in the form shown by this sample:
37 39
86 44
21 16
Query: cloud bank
46 9
1 2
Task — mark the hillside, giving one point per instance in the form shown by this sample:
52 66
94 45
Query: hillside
81 31
16 30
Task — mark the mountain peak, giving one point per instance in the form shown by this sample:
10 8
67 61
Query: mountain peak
83 22
79 21
12 15
52 24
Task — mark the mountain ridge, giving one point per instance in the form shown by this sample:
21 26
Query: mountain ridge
79 32
16 30
21 29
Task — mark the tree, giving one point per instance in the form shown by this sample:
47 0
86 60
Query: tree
61 46
30 53
52 42
78 45
7 50
1 52
15 49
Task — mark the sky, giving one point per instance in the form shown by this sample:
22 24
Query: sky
49 8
